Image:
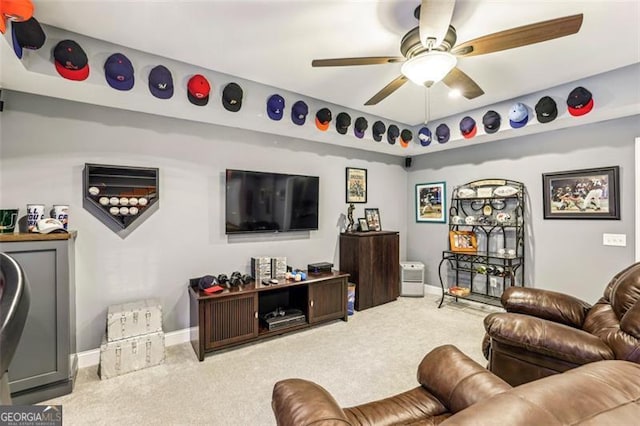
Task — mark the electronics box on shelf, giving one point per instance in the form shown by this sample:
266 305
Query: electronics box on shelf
131 354
278 267
260 267
412 279
320 267
133 319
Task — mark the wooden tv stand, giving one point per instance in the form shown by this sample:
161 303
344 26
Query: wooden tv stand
232 317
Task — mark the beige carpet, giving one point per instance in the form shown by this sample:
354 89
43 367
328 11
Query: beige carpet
373 355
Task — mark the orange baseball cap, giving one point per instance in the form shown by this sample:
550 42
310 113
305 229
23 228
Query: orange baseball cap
323 118
17 10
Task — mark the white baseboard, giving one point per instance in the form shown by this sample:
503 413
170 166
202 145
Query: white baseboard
432 289
92 357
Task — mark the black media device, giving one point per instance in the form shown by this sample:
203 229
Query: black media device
270 202
320 267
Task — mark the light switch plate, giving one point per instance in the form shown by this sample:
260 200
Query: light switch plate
619 240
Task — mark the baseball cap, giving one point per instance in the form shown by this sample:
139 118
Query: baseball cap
491 121
161 82
27 35
15 10
275 107
209 284
443 133
198 89
405 137
49 226
232 97
518 115
580 101
360 126
546 109
343 121
323 118
392 134
70 60
378 130
118 71
424 134
468 127
299 112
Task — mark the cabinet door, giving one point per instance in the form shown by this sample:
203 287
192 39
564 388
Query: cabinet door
231 320
386 269
327 300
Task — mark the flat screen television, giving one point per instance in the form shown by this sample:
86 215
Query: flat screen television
270 202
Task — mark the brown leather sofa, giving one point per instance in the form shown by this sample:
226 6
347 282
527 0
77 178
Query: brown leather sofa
455 390
545 332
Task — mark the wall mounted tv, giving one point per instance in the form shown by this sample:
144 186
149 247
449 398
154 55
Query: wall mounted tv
270 202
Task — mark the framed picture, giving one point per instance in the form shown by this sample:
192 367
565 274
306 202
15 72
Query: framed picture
582 194
356 189
463 241
373 219
364 226
430 202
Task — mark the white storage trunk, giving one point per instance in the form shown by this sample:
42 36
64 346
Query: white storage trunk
133 319
127 355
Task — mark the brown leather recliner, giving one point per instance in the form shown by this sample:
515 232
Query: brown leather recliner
545 332
455 390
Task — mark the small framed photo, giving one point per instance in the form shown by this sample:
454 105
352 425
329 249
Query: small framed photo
356 188
430 202
582 194
364 226
373 219
463 241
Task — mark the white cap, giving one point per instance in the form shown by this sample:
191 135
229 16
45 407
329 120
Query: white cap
46 226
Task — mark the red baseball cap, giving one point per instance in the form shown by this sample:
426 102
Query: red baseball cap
198 90
71 61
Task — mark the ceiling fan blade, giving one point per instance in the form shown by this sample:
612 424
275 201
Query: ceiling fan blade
520 36
456 79
387 90
371 60
435 18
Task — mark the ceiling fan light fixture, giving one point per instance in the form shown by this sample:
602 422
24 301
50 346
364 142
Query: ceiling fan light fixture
428 68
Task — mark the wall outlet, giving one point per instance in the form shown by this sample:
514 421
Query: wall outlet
493 281
619 240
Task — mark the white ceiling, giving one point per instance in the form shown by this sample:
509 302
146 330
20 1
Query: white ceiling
273 43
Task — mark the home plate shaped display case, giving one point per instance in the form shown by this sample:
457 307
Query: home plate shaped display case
121 197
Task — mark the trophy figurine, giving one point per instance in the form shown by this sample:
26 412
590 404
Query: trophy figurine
350 217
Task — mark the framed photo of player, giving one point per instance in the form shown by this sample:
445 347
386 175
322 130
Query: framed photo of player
373 219
356 188
582 194
430 202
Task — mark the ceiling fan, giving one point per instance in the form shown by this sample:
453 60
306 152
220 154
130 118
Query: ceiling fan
429 53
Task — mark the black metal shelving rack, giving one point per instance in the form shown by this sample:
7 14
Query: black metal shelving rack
493 209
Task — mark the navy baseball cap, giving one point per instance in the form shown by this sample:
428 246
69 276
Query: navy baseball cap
405 137
70 60
518 115
343 121
299 112
161 82
424 134
27 35
209 284
468 127
392 134
491 121
232 97
323 118
118 71
378 130
360 127
580 101
546 110
443 133
198 89
275 107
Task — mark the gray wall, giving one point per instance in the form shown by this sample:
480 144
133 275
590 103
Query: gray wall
45 142
562 255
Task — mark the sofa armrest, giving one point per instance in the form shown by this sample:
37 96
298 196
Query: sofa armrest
301 402
456 380
547 338
545 304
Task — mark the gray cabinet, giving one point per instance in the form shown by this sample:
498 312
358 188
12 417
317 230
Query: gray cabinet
45 362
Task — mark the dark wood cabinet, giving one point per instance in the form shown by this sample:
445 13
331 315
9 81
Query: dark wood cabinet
372 259
232 317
